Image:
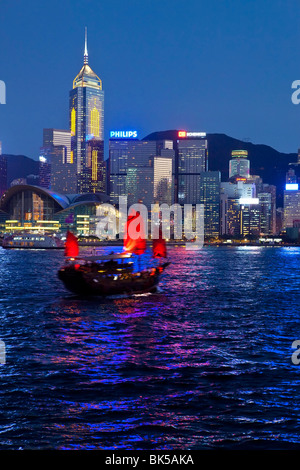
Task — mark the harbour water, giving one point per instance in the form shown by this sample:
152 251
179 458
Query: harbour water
205 363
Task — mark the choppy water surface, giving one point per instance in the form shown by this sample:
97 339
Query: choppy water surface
203 364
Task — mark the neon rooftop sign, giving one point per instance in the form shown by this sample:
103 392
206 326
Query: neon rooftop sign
292 186
185 134
123 134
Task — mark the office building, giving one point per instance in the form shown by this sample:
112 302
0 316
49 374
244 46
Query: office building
249 217
191 161
125 155
139 169
239 164
87 128
210 197
118 154
240 211
44 171
238 189
223 213
139 186
270 189
3 174
58 138
55 158
162 180
265 206
150 184
291 176
291 204
233 218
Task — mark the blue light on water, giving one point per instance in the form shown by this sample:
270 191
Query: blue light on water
205 363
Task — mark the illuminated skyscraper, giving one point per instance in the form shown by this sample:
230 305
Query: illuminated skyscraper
87 128
55 168
250 213
3 174
291 204
240 210
162 176
140 170
191 162
58 137
210 197
239 165
265 205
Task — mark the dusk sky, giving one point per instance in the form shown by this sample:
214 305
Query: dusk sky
202 65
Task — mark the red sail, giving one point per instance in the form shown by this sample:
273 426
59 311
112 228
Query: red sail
71 246
159 247
131 245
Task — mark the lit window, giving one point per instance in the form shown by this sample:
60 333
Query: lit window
73 122
94 165
95 122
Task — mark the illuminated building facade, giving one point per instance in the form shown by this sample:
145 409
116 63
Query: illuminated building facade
30 205
44 171
233 218
210 197
238 189
55 158
239 164
32 208
140 169
240 210
291 176
291 204
58 138
250 217
162 180
191 161
118 155
270 189
87 128
223 213
139 185
93 176
189 153
3 174
265 207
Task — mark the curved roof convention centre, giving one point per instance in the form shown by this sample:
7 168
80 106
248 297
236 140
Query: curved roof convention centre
63 201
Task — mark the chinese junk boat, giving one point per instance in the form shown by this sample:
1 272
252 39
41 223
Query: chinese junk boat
112 274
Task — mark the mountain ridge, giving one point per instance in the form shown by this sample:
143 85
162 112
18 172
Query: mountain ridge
265 161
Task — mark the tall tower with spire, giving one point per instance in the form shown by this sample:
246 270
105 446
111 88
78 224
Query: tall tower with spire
87 128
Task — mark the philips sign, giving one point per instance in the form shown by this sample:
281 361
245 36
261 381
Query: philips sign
123 134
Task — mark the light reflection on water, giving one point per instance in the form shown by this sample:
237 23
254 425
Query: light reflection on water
204 363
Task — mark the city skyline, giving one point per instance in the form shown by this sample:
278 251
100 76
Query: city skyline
152 95
177 170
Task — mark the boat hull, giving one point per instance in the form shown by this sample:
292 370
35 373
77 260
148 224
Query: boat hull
82 282
32 242
19 247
